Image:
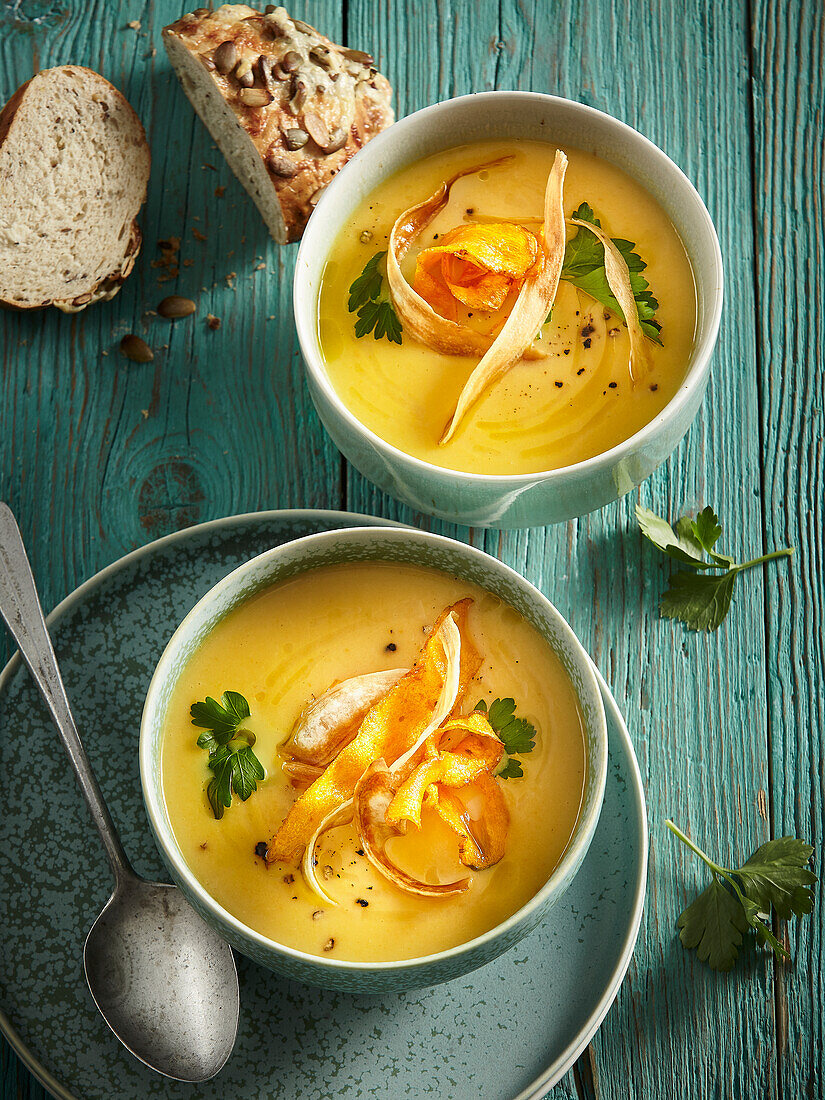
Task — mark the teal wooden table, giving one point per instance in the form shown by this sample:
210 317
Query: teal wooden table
99 455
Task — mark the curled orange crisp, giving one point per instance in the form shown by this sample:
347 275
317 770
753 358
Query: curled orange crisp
476 265
387 800
479 751
392 729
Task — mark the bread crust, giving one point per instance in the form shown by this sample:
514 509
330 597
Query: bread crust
305 84
109 285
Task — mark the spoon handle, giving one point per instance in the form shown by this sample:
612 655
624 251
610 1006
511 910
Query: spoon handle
23 615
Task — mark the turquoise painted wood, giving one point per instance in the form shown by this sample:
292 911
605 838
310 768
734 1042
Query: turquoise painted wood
98 455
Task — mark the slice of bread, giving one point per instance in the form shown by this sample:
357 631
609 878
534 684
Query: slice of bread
285 105
74 165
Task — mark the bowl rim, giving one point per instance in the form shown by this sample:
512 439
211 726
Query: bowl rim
305 305
154 800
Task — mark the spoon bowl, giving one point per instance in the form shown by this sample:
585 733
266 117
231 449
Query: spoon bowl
158 975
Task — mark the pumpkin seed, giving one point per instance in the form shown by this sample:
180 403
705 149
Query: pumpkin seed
174 306
295 138
136 349
337 140
209 64
281 166
225 57
291 61
359 56
255 97
300 25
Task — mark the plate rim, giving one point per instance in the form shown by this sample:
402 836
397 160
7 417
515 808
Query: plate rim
537 1089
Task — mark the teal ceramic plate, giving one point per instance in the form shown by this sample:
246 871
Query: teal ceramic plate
508 1031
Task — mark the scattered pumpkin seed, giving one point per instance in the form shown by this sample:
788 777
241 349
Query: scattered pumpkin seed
175 306
136 349
291 61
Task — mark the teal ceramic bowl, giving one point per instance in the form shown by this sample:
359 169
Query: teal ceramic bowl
386 545
523 500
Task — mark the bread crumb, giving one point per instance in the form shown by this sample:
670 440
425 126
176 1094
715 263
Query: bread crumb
133 24
213 322
145 414
230 280
220 192
261 267
188 263
168 258
196 233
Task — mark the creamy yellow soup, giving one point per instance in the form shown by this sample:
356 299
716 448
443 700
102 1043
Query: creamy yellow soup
290 643
545 413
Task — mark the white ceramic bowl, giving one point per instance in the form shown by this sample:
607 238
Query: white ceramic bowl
521 500
389 545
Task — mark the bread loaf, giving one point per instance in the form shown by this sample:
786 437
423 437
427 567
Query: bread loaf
285 105
74 165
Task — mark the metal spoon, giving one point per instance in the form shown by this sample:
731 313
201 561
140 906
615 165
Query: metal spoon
164 982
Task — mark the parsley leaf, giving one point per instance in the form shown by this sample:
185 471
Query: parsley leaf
777 875
700 600
714 924
516 734
234 766
584 268
375 314
368 285
738 899
511 770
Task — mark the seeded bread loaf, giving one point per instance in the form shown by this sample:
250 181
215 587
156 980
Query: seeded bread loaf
74 165
286 106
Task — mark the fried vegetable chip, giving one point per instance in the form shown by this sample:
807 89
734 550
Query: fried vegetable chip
534 302
415 312
393 728
618 279
477 265
332 720
476 753
373 795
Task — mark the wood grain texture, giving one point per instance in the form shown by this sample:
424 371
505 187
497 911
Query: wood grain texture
98 455
695 705
789 216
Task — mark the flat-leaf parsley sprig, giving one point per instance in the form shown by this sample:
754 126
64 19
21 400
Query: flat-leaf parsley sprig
701 599
375 313
233 764
584 268
517 734
775 877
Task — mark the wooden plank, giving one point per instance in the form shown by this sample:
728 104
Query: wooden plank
695 705
98 455
789 93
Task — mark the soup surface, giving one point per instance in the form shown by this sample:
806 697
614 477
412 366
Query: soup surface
291 642
545 413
